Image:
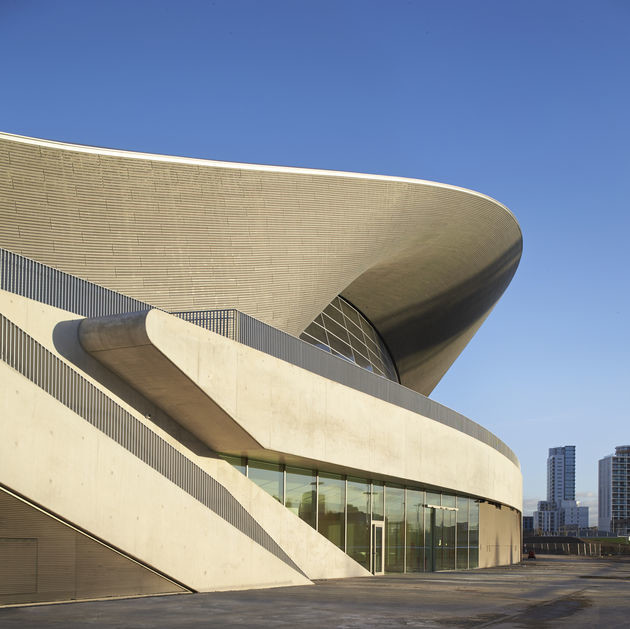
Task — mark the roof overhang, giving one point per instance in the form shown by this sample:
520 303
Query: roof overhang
424 261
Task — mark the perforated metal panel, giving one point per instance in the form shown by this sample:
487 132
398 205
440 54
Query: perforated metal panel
44 559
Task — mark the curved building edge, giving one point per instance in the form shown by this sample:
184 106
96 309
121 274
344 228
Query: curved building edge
181 451
425 262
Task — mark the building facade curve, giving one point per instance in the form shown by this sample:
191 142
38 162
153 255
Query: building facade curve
424 262
152 368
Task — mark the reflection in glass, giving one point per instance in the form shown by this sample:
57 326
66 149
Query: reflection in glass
438 538
473 534
238 462
331 508
434 500
342 329
429 519
415 530
378 501
267 476
449 520
473 557
394 528
462 533
423 531
358 506
377 549
301 488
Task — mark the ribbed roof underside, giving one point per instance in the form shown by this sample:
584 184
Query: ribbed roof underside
425 262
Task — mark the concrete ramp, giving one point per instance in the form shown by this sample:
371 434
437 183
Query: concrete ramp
76 446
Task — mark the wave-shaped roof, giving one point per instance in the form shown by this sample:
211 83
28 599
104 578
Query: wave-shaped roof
424 261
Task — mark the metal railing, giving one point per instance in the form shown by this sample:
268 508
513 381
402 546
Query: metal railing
40 282
270 340
47 285
593 549
57 378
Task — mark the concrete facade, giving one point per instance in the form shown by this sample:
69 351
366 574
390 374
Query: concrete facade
173 449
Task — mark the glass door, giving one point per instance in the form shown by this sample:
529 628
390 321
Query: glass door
378 548
443 538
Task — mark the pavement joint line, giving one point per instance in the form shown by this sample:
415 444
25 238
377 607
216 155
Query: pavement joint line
523 611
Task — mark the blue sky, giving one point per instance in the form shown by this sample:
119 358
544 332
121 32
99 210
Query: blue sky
527 102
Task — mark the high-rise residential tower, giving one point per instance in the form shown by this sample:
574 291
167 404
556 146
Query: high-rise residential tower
561 474
614 492
560 513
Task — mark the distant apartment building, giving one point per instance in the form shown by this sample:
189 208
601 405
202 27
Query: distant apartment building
614 492
560 513
561 474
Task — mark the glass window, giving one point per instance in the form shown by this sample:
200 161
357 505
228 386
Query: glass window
313 341
341 347
238 462
349 335
359 521
301 488
434 499
335 328
473 534
415 530
368 330
449 522
350 312
394 528
335 314
361 360
473 557
378 501
429 545
331 508
462 533
356 334
267 476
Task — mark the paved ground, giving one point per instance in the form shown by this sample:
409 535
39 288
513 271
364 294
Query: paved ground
549 592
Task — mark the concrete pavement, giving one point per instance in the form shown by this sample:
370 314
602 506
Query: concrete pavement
548 592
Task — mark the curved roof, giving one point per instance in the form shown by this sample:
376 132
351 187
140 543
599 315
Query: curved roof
424 261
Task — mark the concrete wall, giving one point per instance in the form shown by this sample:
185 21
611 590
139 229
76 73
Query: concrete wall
56 459
294 415
500 541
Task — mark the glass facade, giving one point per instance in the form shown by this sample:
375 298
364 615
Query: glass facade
462 533
415 530
422 530
267 476
358 505
301 494
394 529
343 331
331 508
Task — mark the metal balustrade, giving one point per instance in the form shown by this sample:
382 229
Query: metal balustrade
38 281
57 378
